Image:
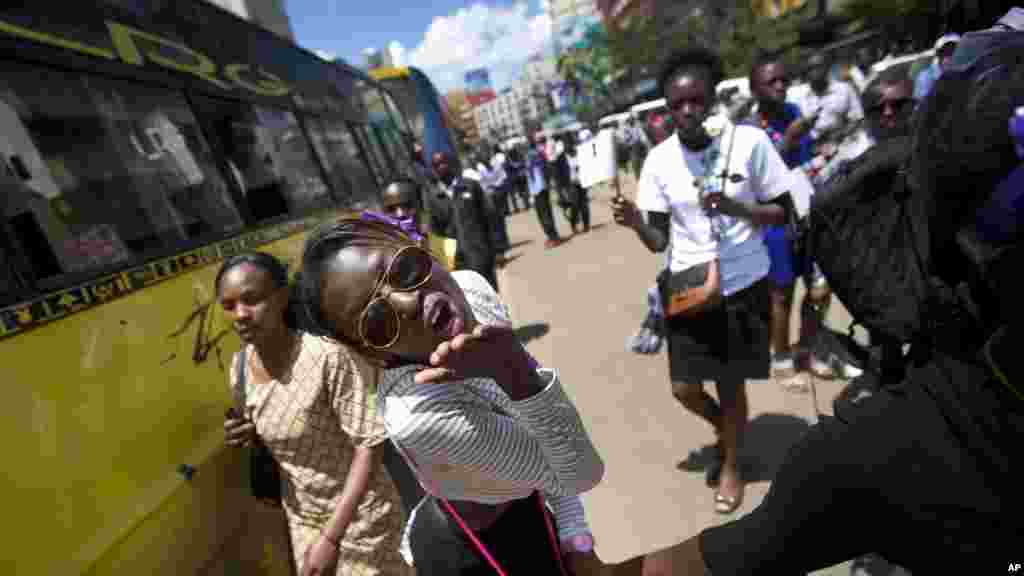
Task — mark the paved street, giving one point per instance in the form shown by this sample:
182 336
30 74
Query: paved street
576 305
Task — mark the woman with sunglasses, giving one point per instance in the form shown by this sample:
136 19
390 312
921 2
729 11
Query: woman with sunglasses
310 401
486 430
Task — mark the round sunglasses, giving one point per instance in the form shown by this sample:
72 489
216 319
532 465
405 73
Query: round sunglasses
380 324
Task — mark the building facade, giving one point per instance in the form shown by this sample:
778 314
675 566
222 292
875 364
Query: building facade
513 112
539 68
271 14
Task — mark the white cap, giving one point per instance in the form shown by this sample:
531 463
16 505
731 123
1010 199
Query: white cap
951 38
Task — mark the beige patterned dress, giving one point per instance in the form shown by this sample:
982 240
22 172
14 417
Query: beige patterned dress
312 423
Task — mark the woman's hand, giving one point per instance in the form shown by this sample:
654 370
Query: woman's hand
239 432
487 352
320 558
718 202
625 212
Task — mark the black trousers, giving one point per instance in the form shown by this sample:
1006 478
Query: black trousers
514 196
542 202
580 212
499 227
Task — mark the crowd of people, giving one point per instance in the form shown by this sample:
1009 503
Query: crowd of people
414 433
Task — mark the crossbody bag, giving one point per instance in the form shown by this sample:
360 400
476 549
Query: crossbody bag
697 289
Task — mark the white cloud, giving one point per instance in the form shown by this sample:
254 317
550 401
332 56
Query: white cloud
480 36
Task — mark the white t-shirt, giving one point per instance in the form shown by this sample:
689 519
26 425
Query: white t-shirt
839 105
667 185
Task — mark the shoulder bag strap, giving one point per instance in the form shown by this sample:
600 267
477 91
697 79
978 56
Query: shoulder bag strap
240 386
451 510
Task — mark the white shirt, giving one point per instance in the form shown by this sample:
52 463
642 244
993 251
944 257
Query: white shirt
667 185
839 105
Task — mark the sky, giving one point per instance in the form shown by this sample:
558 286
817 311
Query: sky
444 38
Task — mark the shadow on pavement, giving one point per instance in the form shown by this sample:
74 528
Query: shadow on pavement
520 243
767 439
529 332
509 259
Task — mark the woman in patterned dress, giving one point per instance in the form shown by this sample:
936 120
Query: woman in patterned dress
311 402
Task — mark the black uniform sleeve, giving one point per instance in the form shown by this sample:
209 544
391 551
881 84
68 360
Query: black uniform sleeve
804 522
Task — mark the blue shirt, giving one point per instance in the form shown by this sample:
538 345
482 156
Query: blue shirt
535 172
776 131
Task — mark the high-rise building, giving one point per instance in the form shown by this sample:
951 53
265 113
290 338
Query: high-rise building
270 14
539 67
513 111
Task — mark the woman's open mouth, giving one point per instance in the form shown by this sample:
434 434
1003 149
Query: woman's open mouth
443 316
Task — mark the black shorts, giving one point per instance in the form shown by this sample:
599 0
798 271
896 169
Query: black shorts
729 343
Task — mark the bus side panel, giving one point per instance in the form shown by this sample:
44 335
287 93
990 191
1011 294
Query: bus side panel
210 526
436 137
103 407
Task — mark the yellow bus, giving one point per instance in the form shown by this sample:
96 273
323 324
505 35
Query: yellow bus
140 144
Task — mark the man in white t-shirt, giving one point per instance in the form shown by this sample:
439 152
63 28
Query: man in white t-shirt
834 105
704 218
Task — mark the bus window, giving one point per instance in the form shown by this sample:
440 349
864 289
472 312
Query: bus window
374 153
268 157
337 146
102 173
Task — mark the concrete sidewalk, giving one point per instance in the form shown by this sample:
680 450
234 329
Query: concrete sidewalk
576 305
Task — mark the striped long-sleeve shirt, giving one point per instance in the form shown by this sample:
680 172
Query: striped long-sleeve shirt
470 441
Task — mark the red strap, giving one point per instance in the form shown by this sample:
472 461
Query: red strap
472 536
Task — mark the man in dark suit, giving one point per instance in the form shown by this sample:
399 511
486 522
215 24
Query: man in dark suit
458 210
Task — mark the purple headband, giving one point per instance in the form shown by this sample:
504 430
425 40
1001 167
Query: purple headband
406 225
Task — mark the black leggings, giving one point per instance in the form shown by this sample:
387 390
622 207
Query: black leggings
519 541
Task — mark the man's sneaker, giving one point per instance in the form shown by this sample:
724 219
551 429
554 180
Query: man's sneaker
553 243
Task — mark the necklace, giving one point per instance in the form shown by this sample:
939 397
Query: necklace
710 183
